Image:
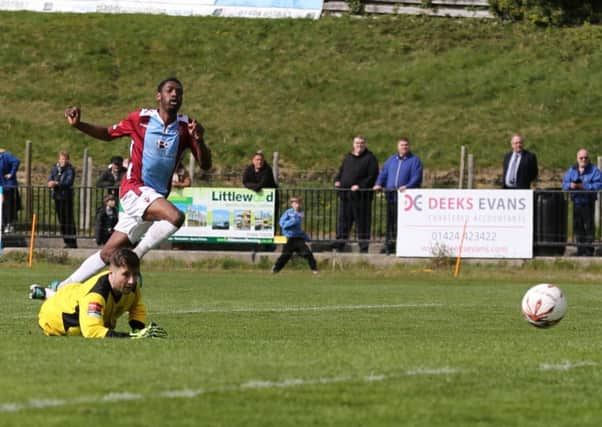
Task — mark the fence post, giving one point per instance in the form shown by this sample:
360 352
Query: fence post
275 170
82 188
28 188
462 156
88 201
469 183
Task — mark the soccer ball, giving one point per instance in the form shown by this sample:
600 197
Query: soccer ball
544 305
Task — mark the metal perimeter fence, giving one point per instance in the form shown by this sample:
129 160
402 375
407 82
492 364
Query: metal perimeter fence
552 214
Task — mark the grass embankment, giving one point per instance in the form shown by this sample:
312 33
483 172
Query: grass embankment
304 88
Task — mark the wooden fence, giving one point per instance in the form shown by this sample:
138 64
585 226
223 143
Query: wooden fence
451 8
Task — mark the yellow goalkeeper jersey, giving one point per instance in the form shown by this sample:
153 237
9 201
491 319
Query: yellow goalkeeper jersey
90 309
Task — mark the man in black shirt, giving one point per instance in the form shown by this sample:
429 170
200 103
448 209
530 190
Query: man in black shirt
354 181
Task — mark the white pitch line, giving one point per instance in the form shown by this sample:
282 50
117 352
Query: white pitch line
194 393
299 309
565 366
33 315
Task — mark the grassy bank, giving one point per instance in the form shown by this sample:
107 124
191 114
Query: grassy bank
304 88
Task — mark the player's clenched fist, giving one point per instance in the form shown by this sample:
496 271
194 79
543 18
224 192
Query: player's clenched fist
195 129
72 114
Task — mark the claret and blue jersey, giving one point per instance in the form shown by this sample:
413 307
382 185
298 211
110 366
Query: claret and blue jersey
155 150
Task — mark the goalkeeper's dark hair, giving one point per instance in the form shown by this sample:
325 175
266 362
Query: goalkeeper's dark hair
125 257
169 79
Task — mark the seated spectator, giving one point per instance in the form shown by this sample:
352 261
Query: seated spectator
111 178
258 175
106 218
181 177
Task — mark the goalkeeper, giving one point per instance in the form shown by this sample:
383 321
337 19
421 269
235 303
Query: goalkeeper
91 309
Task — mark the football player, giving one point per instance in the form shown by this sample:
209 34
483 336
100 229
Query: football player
91 309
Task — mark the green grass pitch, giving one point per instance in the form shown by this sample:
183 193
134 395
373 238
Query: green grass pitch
356 348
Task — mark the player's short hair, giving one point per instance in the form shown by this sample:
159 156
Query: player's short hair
169 79
124 257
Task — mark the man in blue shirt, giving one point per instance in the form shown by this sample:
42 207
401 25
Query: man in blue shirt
583 180
400 171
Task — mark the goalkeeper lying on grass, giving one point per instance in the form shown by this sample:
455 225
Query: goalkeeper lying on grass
91 309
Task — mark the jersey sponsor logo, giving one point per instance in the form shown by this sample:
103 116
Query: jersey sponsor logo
95 310
162 145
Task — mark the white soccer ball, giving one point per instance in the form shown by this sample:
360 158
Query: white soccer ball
544 305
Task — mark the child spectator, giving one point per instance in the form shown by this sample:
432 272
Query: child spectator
290 222
106 218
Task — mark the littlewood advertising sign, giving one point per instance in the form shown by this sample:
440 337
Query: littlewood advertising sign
225 215
482 223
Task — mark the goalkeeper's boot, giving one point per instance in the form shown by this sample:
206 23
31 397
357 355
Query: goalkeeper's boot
37 292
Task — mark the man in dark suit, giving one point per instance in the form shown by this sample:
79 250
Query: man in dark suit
520 166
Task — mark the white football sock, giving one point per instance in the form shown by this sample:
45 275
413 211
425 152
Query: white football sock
92 265
157 232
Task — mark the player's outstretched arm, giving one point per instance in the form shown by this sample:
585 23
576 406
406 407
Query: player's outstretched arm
73 116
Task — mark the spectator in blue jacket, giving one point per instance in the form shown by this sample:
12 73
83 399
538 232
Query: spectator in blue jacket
11 201
584 181
400 171
60 181
290 223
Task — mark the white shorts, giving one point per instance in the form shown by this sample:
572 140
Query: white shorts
130 220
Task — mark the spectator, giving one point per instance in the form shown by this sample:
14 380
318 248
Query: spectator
290 222
106 219
11 202
181 177
259 174
355 179
520 166
583 180
401 171
60 181
111 177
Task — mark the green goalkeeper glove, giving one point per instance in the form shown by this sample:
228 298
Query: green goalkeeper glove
151 331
